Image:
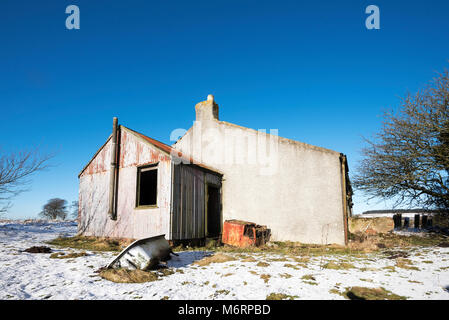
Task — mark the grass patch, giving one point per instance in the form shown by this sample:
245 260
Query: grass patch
278 259
358 246
285 275
249 259
338 266
364 269
335 291
134 276
413 281
262 264
308 277
91 243
265 277
280 296
405 264
216 258
128 276
62 255
286 249
165 272
390 268
219 292
301 259
362 293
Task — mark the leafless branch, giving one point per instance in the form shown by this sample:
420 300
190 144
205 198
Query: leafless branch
408 160
16 170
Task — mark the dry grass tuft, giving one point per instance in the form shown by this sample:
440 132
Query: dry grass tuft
308 277
128 276
304 259
249 259
338 266
262 264
278 259
265 277
335 291
289 265
362 293
91 243
405 264
280 296
216 258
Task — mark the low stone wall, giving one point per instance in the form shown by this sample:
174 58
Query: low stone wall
371 225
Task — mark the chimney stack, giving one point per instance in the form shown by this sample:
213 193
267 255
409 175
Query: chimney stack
207 110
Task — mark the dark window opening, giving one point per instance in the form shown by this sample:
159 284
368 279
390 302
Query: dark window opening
147 186
213 212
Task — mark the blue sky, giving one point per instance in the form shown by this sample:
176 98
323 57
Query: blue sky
308 68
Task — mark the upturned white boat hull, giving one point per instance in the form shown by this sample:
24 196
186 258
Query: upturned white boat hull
143 254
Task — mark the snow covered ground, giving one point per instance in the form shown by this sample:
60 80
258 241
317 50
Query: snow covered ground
36 276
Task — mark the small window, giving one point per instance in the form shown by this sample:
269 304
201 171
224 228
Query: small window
147 186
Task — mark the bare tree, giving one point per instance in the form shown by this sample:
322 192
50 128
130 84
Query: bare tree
15 172
55 208
408 160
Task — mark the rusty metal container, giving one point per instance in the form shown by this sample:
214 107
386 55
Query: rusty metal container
244 234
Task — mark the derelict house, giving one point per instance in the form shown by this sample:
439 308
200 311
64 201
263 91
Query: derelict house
136 187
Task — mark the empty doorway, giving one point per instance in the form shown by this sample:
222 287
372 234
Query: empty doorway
213 211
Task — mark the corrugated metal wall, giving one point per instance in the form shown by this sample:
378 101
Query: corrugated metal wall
131 222
189 199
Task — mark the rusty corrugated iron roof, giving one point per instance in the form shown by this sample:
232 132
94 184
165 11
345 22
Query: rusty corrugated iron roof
172 151
160 145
